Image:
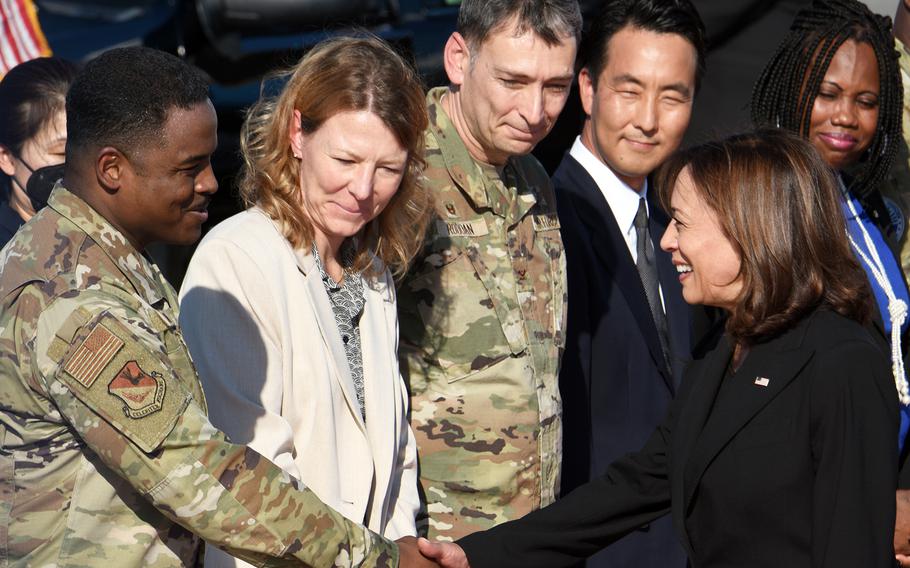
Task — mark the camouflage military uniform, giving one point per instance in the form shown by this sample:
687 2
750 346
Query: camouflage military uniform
107 456
481 315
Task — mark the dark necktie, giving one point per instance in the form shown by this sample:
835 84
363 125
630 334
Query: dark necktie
647 271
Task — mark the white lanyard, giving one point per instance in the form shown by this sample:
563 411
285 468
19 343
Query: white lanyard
897 308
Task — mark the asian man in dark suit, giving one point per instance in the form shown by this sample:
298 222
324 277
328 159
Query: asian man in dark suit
629 334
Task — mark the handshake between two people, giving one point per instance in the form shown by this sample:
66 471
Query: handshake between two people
421 553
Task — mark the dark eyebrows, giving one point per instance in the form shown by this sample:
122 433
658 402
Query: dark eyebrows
677 214
194 160
837 86
680 88
834 84
518 76
626 78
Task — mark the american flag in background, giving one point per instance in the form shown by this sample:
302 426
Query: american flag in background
21 37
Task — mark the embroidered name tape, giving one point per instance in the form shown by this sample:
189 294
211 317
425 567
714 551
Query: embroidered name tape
96 351
546 222
762 381
472 228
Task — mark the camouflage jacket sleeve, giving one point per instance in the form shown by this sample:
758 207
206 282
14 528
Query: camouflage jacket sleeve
112 375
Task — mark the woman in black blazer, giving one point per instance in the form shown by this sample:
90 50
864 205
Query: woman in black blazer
835 80
779 449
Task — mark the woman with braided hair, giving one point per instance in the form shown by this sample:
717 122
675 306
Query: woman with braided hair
835 80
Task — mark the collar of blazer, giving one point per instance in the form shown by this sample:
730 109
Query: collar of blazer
607 244
380 282
766 371
376 286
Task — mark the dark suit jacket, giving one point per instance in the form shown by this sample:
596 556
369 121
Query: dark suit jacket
788 462
615 383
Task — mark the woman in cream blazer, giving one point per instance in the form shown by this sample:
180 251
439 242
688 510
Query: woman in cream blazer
261 331
268 321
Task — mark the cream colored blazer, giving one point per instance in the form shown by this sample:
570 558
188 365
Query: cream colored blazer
261 331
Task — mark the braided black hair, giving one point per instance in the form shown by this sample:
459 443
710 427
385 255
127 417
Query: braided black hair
785 92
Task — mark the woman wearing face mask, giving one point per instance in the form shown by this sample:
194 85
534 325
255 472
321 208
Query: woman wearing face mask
32 135
289 307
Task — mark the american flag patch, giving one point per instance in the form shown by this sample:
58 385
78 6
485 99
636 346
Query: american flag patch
93 355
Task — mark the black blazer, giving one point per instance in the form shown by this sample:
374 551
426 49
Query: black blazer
615 383
788 462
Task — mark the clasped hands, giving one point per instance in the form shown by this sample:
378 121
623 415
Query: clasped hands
421 553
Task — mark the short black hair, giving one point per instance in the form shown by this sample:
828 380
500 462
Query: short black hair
122 98
31 95
552 20
785 92
677 17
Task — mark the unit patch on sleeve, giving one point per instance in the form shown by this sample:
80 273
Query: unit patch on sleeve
120 372
142 393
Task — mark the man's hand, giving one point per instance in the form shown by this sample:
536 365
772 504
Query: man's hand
447 554
409 556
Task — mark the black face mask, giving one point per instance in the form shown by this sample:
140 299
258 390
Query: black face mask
39 186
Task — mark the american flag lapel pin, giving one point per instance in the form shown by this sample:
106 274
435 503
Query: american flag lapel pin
762 381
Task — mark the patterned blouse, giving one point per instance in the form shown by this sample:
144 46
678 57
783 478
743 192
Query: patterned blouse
347 301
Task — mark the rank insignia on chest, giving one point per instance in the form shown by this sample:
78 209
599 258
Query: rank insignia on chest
141 392
450 209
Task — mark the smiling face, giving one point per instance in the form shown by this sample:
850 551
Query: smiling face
707 263
167 189
639 107
510 90
845 111
350 168
46 148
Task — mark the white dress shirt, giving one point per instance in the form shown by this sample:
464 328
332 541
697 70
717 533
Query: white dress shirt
620 196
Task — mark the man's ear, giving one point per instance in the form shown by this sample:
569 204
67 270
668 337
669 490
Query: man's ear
7 165
112 168
586 87
457 58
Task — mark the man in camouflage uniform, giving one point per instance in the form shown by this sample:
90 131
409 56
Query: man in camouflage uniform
107 456
482 309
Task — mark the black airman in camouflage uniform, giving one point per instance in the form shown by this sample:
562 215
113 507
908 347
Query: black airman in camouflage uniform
106 455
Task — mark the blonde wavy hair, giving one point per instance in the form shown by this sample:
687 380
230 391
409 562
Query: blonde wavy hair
340 75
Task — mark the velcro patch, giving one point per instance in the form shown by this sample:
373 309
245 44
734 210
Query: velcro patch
138 393
545 222
95 352
141 392
473 228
